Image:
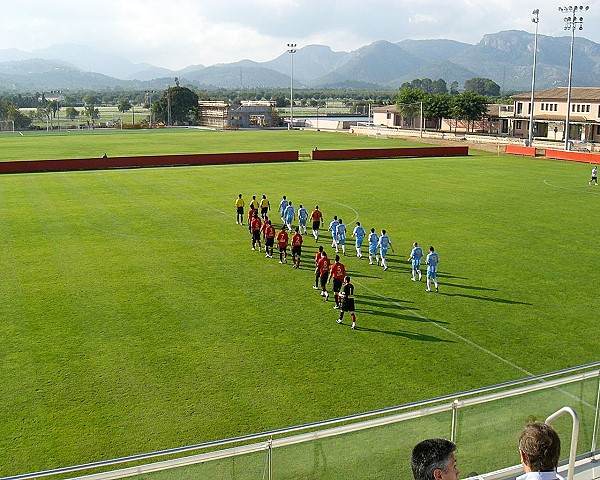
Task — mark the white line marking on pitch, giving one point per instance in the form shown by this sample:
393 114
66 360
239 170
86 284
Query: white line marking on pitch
466 340
578 190
350 208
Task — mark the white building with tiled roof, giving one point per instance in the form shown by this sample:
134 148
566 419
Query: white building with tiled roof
550 111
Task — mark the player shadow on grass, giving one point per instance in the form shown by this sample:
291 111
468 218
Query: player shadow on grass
400 316
487 299
382 301
409 335
470 287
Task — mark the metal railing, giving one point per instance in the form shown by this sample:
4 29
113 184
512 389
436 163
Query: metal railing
554 386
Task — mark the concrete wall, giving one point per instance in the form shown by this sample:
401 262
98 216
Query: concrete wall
147 161
365 153
573 156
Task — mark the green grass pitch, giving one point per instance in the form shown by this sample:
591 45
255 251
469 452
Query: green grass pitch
135 316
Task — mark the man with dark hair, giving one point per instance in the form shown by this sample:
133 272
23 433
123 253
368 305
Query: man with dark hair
434 459
347 302
539 447
337 272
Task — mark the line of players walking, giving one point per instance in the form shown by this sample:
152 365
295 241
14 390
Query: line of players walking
261 226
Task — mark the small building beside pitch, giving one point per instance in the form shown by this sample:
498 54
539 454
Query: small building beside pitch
246 114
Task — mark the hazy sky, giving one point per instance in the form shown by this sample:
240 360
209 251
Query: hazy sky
178 33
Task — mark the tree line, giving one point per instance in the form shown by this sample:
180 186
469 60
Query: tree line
178 104
438 102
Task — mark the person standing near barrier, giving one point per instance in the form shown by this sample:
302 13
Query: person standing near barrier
594 178
239 206
539 449
434 459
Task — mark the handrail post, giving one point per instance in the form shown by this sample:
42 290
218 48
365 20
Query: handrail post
270 444
454 420
596 420
574 436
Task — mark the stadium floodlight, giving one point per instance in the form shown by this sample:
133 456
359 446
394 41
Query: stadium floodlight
572 22
291 50
168 104
535 19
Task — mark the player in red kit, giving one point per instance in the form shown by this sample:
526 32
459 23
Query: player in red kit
255 228
251 213
282 241
318 256
323 268
269 239
316 217
338 272
296 247
263 229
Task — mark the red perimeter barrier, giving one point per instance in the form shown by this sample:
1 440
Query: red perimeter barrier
364 153
573 156
30 166
519 150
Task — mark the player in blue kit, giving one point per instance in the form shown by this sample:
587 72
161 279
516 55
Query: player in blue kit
373 241
383 244
282 206
302 218
359 233
333 227
432 261
416 254
341 236
288 216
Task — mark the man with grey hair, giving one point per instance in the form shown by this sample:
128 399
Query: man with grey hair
434 459
539 448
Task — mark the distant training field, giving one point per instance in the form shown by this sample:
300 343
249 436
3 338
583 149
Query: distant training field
135 316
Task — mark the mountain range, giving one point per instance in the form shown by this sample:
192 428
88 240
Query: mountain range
505 57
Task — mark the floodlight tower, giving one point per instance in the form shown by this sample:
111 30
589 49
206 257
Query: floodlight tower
572 22
291 50
535 19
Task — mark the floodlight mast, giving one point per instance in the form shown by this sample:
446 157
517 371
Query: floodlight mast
535 19
572 22
291 50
